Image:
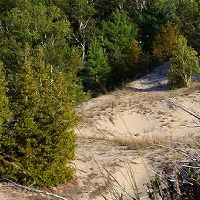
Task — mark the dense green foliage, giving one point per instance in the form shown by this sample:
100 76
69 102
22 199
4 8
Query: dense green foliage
97 68
48 48
150 22
118 33
43 141
5 113
132 59
163 43
184 64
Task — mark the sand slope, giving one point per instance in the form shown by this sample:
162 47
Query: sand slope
140 111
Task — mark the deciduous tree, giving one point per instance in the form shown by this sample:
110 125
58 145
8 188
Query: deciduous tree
184 64
40 24
80 13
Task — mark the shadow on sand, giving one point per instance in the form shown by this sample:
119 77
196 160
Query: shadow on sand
157 80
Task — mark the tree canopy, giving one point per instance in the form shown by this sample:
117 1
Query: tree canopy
184 64
163 42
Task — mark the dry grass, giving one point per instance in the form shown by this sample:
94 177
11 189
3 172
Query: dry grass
185 91
160 147
138 142
177 154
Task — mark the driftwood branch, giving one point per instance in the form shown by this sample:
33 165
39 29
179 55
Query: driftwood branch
31 189
188 110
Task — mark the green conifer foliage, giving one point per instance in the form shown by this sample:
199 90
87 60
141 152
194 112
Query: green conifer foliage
184 64
118 33
36 24
43 142
5 117
163 43
149 24
39 23
132 59
5 113
56 120
97 67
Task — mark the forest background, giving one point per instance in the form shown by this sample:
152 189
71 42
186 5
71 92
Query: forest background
105 43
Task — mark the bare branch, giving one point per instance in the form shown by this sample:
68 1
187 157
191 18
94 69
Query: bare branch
32 189
188 110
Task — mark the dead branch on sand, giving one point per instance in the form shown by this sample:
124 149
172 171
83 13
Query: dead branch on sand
31 189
